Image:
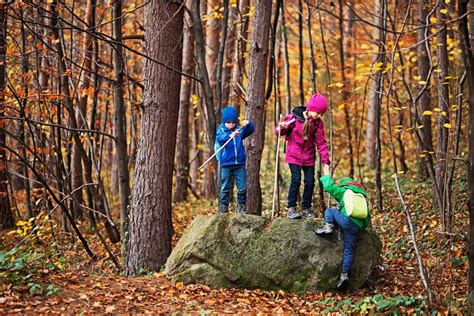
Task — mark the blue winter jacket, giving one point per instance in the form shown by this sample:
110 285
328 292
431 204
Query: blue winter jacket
234 152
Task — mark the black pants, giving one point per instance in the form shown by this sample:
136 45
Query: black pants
295 185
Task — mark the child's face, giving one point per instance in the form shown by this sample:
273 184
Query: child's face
230 125
314 115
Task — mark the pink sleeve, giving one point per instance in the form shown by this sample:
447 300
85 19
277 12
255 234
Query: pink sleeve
284 129
321 143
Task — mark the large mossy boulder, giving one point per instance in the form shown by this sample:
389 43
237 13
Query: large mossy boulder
246 251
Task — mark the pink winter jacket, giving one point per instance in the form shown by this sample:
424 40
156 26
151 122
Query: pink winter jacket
302 152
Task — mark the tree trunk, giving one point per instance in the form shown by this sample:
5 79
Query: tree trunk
151 227
443 98
6 214
229 54
182 137
81 110
300 52
374 95
256 102
425 99
467 37
119 119
286 59
238 69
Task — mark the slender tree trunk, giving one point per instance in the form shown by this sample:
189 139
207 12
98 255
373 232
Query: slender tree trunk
238 69
300 53
119 120
345 94
256 102
443 99
286 59
467 48
425 99
81 110
230 48
209 110
6 215
182 138
151 227
374 93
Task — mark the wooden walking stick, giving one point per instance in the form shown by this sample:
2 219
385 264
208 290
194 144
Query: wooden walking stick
275 184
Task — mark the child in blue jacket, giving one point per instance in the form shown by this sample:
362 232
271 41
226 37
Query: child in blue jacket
232 158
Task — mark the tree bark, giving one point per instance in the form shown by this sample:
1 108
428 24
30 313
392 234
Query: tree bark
443 98
151 227
374 102
256 102
6 215
119 119
467 37
300 53
230 48
425 99
238 69
182 137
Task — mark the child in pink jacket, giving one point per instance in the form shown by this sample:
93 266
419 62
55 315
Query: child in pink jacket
304 131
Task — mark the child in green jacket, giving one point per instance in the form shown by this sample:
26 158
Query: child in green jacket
349 225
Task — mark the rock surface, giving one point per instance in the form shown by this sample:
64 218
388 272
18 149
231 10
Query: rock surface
246 251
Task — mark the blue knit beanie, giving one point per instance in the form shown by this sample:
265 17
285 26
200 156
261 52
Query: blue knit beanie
229 114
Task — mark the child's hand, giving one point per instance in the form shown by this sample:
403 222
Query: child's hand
234 133
326 170
245 122
282 124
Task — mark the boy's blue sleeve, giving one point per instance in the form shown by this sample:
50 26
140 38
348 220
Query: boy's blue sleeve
222 136
248 130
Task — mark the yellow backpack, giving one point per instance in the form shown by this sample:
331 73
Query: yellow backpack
355 204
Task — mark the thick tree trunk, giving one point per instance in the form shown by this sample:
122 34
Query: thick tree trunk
182 138
151 227
256 102
425 99
6 214
119 119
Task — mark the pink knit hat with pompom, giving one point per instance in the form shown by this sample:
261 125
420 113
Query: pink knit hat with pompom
317 103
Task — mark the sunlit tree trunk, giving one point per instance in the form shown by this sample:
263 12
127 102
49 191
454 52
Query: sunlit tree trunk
6 214
300 53
182 137
151 227
256 101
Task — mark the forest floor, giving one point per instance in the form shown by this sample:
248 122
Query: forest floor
56 275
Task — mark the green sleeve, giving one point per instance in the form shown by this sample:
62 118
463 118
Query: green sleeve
331 188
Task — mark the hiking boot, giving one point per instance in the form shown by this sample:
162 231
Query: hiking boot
343 280
293 214
223 209
308 213
327 229
241 208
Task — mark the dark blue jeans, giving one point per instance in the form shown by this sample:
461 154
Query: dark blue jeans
295 185
350 232
240 176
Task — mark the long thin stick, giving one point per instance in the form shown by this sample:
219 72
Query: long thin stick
275 184
222 147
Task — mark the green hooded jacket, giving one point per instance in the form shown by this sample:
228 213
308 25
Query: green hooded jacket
337 191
